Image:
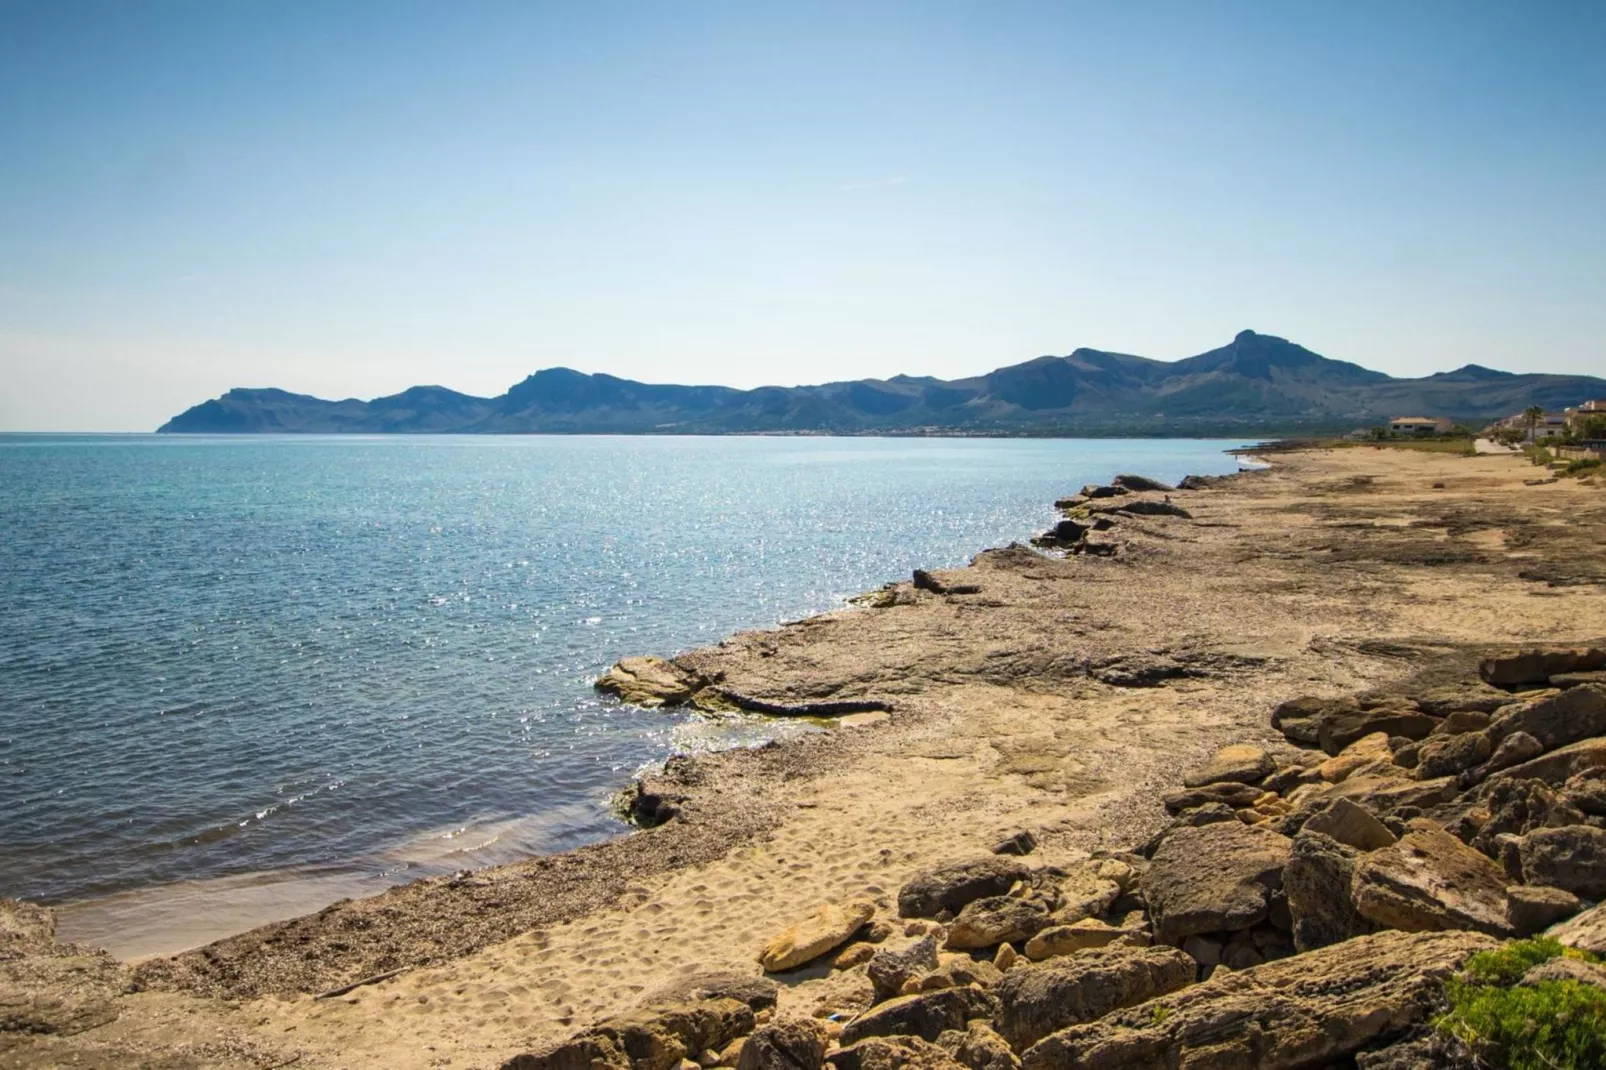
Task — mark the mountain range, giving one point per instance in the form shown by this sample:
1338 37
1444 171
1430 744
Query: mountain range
1257 384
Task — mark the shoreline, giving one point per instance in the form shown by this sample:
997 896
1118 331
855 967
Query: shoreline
258 898
1061 695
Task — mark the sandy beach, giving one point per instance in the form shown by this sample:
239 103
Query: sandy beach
1058 694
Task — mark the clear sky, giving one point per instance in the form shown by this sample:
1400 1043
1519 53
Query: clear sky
347 198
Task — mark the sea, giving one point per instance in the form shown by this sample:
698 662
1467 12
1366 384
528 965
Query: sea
244 676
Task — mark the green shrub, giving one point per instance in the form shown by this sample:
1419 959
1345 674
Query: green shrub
1580 466
1553 1025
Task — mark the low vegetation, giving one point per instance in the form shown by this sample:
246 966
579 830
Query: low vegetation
1548 1025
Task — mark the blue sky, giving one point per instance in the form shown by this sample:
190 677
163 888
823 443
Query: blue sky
347 198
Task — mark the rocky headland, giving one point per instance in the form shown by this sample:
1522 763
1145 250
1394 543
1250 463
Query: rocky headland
1261 772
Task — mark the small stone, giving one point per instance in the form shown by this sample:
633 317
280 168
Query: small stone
1021 843
1005 957
853 955
1369 753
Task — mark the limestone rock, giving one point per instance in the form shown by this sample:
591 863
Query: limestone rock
648 681
979 1048
1350 824
652 1039
1517 667
1515 749
1340 730
1233 795
1587 931
995 920
1448 755
827 929
1087 933
893 1053
1560 764
787 1044
1516 808
1475 696
963 970
1317 879
853 955
1021 843
1587 792
1141 483
1572 858
1567 717
1310 1011
950 887
1430 880
1041 998
1460 722
756 991
1241 763
1083 893
890 969
1214 878
1532 909
926 1015
1371 754
1566 969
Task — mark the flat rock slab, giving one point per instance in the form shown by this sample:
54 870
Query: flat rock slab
1339 730
1558 719
1428 881
1038 999
648 681
994 920
827 929
1350 824
952 886
1294 1014
1587 931
1214 878
1240 763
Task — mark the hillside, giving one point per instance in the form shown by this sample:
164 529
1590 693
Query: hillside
1257 384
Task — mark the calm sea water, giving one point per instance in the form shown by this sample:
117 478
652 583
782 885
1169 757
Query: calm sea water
223 656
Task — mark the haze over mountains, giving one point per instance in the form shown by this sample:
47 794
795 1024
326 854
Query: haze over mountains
1256 385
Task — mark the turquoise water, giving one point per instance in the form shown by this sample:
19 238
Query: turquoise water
224 656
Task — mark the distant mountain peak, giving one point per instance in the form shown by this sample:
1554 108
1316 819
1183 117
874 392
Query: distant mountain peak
1255 385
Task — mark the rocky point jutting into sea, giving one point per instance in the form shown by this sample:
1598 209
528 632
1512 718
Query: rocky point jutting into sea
1239 773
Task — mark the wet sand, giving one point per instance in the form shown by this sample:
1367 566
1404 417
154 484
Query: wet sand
1057 697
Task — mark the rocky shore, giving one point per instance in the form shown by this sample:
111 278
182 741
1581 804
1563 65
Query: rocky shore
1242 773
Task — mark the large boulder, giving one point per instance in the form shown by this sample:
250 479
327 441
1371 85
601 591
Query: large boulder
995 920
1531 908
1447 699
1301 1013
1241 763
1572 858
649 682
979 1048
1236 796
787 1044
826 929
1141 483
1514 668
952 886
1557 720
1350 824
1586 931
649 1039
1340 730
1516 808
1038 999
1560 764
890 969
1317 880
1449 755
1085 934
893 1053
926 1015
1430 880
1213 878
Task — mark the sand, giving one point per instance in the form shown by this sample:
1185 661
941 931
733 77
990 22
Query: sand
1013 708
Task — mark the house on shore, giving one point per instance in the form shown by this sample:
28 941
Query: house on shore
1419 425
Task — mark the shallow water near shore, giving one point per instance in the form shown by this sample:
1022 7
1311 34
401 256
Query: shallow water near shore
241 677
